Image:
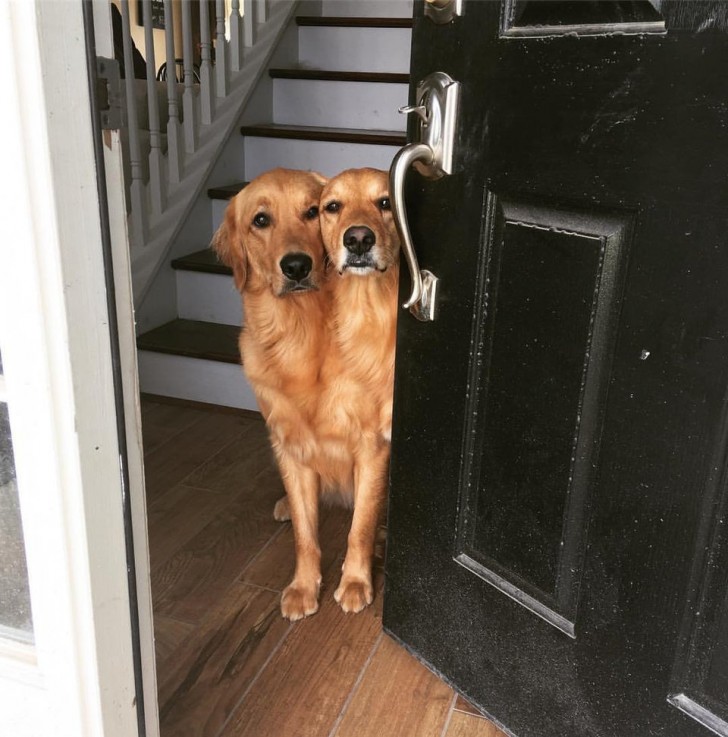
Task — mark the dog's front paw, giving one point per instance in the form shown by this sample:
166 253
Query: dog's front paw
298 602
353 595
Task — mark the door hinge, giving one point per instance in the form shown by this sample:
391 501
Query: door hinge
109 97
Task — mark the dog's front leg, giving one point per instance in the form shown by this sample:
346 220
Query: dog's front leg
370 489
300 598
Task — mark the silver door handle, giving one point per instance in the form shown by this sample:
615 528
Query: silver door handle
432 155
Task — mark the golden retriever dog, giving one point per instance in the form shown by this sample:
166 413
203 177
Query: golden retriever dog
362 245
271 238
329 428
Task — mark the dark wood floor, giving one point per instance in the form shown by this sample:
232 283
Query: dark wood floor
228 664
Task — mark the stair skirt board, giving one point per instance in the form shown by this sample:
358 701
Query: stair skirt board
368 105
208 297
195 379
262 154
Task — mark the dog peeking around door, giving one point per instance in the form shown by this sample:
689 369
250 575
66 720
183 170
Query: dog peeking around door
318 350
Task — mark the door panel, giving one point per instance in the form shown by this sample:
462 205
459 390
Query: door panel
559 449
549 294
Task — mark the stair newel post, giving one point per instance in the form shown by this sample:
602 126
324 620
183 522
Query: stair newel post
156 157
174 127
137 192
221 50
250 12
207 90
188 96
236 37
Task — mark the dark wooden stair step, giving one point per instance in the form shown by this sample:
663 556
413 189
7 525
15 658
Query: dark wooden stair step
333 76
204 261
194 339
354 22
338 135
225 191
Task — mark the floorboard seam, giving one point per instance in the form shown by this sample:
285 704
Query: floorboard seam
150 451
269 542
451 711
260 588
254 680
355 686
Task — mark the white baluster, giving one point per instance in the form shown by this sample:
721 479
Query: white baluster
249 21
263 11
174 127
236 37
137 193
221 50
156 158
207 92
188 97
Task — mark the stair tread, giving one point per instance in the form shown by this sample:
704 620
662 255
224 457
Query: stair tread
339 135
194 339
335 76
354 21
225 191
204 261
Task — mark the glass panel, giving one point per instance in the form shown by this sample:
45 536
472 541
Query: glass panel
15 617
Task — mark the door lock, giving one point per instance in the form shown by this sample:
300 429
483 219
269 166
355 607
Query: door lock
431 153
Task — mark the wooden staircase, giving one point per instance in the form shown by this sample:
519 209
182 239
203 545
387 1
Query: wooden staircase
335 109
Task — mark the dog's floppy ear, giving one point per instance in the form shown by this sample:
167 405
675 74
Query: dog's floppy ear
228 245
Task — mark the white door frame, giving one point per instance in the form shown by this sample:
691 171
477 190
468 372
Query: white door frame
78 679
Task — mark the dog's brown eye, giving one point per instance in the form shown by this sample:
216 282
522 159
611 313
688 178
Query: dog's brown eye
333 206
384 204
261 220
311 213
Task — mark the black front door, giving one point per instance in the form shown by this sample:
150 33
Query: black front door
557 539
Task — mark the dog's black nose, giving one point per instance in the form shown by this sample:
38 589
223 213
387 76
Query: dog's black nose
296 266
359 239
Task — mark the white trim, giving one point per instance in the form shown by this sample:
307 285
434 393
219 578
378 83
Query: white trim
56 357
113 165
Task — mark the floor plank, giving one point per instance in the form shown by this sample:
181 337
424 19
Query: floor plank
397 696
162 422
168 634
304 687
274 567
465 706
176 516
214 668
205 567
172 462
467 725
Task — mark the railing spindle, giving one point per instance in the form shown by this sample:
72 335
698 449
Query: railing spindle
137 193
156 158
188 97
174 127
249 21
207 92
263 11
221 50
236 37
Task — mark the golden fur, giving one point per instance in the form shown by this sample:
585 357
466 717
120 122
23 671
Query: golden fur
320 361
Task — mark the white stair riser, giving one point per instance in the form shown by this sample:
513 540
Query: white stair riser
218 212
366 105
329 159
195 379
354 49
208 297
369 8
